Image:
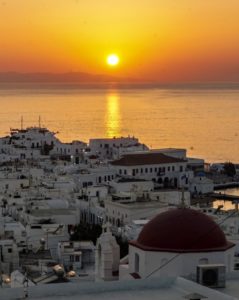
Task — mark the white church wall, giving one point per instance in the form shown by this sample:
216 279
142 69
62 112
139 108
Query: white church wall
176 264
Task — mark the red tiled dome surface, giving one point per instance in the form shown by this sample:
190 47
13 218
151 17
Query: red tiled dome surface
182 230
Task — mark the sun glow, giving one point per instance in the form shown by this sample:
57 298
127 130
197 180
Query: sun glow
113 60
113 125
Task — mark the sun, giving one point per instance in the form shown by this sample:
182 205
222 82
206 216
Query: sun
112 60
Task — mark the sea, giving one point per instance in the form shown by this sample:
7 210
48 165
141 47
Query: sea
204 121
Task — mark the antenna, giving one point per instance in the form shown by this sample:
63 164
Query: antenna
21 122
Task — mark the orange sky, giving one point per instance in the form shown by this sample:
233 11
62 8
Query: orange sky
163 40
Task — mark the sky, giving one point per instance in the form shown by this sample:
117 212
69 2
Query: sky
160 40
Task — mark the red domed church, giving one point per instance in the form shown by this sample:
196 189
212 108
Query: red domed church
176 242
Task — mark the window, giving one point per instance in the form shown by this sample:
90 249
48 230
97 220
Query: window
169 169
181 168
77 258
151 170
9 250
71 258
173 168
146 170
136 263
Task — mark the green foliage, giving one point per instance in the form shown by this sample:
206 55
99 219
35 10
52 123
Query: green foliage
229 169
124 246
86 232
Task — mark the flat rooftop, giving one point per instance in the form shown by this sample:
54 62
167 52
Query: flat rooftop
138 204
52 212
153 288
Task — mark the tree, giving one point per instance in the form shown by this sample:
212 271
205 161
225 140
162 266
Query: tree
229 169
86 232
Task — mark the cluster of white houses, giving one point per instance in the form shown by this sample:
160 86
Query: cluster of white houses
48 187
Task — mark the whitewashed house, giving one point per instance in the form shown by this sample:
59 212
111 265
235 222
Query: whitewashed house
160 168
201 185
76 254
111 148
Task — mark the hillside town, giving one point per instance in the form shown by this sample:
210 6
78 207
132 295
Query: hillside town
113 210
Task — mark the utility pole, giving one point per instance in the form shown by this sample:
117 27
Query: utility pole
1 266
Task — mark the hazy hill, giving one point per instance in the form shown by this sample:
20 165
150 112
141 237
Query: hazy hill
71 77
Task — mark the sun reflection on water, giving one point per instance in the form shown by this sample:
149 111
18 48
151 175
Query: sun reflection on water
227 205
113 126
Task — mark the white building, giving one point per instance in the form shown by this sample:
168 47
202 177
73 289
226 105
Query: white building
160 168
131 185
9 257
201 185
76 254
123 209
112 148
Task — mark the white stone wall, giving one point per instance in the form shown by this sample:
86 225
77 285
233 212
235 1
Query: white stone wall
140 186
176 264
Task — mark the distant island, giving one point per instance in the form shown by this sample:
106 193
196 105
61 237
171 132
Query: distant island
87 80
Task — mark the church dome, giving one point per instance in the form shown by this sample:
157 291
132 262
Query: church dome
182 230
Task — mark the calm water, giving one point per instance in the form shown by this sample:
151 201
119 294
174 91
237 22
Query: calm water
227 204
205 122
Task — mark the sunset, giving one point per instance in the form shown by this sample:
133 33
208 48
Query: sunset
112 60
162 41
119 149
